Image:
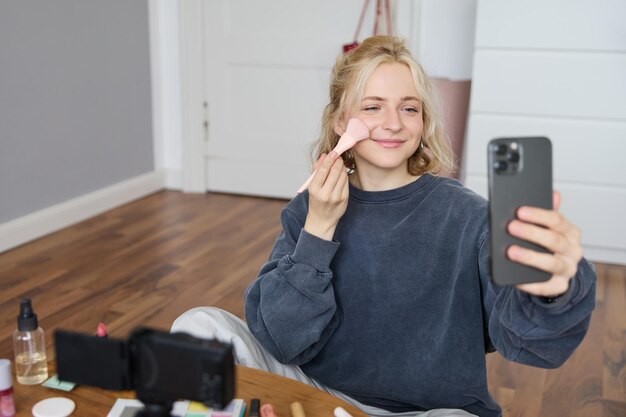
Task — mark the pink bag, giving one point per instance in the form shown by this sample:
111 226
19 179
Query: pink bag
379 10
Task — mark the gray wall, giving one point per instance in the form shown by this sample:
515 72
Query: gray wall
75 101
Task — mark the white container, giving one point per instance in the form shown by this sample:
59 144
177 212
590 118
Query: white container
7 406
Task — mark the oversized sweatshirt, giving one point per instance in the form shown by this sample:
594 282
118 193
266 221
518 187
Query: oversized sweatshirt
398 311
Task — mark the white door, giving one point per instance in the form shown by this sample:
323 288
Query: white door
267 68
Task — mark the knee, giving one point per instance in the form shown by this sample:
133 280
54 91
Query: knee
208 323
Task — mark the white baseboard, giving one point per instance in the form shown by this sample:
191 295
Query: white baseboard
51 219
174 179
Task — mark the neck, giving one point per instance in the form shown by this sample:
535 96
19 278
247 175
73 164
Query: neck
381 180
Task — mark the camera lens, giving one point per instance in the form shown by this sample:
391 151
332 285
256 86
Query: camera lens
500 166
501 149
513 157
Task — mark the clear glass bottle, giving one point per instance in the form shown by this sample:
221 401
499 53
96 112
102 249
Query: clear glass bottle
29 346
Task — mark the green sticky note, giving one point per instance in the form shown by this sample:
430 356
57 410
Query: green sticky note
54 383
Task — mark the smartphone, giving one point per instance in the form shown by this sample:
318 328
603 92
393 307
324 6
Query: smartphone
520 174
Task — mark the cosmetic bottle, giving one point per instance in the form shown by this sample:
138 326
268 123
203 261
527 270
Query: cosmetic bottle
30 347
7 407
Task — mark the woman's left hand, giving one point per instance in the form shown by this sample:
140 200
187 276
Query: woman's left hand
551 230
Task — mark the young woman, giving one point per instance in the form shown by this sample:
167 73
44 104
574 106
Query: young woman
377 289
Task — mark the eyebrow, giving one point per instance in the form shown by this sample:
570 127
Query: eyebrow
405 98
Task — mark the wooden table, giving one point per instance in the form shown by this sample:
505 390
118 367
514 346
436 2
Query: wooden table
251 383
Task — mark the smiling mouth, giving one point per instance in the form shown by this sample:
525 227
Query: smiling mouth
389 143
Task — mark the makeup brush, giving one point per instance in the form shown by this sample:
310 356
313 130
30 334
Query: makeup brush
355 132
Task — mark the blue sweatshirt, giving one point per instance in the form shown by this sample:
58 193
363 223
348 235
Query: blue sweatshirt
398 310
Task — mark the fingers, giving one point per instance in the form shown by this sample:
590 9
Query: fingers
328 197
549 239
550 219
334 174
554 264
551 230
554 287
330 170
324 163
317 163
563 242
556 200
340 192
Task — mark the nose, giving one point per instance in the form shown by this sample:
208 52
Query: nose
392 121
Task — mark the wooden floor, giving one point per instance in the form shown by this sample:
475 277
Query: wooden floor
149 261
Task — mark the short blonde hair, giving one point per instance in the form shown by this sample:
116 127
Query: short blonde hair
347 86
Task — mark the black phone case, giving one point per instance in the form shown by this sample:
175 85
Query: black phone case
520 174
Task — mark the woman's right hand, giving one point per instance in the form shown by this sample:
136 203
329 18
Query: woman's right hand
328 196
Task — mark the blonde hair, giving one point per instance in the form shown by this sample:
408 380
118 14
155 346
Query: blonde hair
347 86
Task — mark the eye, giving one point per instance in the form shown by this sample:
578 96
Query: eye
411 109
371 108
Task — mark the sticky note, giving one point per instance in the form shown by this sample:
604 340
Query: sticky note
196 407
54 383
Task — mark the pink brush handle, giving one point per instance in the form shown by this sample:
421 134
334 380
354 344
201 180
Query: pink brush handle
307 182
341 147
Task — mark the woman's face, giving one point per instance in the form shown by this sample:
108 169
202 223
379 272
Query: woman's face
392 111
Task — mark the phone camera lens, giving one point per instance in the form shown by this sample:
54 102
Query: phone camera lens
500 166
513 157
501 149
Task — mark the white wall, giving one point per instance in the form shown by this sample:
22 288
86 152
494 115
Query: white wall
445 38
166 90
75 119
558 69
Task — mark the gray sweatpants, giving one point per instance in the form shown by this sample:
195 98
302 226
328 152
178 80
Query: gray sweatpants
213 323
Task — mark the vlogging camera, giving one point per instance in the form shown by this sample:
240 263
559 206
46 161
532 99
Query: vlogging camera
161 367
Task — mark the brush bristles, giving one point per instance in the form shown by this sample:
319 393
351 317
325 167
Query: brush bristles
357 129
